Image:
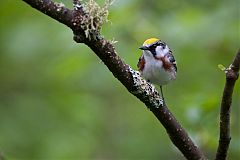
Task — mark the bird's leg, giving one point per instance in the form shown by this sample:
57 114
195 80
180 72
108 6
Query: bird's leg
160 91
162 94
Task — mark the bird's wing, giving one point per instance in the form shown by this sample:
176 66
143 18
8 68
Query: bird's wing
172 60
141 63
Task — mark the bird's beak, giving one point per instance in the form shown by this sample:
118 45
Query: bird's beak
144 48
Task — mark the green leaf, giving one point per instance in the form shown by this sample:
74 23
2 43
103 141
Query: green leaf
220 66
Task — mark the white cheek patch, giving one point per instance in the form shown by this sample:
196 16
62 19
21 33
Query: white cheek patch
166 50
162 52
159 50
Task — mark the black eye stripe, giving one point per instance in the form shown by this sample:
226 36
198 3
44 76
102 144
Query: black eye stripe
159 43
163 45
152 50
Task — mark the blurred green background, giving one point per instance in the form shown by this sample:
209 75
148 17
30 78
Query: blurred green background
59 101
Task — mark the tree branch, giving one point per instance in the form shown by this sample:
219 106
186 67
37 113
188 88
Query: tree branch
232 74
86 33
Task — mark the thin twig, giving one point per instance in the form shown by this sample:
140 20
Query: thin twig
232 74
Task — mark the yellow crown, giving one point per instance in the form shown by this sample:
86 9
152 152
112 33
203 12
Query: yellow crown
150 41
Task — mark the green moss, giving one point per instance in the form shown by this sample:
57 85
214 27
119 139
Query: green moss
96 16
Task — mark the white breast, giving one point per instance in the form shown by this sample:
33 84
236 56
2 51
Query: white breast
155 73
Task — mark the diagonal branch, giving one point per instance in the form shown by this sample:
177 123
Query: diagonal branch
232 74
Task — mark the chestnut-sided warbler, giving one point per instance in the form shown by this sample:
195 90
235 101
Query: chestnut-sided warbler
157 64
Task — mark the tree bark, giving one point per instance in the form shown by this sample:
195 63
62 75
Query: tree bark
232 74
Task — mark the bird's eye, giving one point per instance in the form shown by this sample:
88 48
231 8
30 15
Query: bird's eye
163 45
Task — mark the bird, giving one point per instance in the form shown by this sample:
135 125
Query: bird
157 63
